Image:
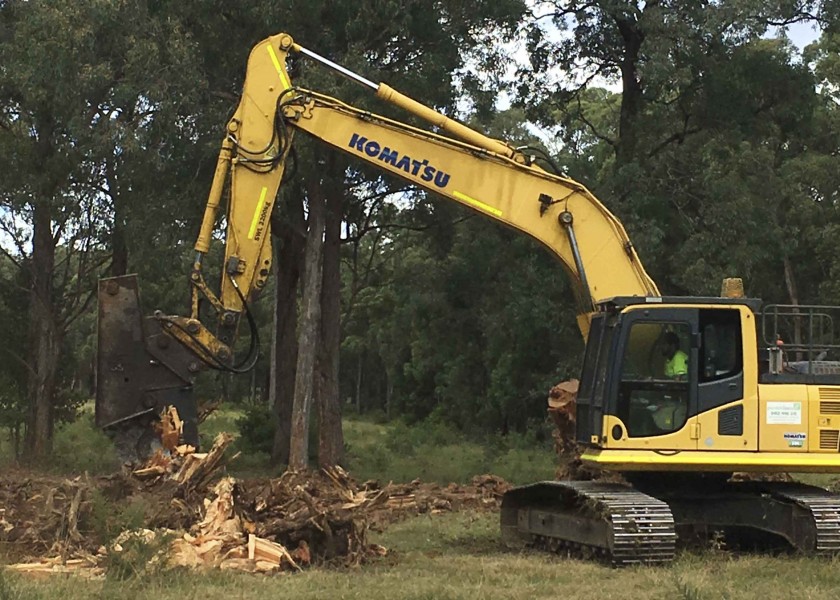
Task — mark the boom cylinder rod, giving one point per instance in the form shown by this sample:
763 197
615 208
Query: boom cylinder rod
418 109
336 67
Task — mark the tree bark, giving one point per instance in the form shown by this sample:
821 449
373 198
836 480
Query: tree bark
330 434
310 330
793 294
44 337
359 383
119 248
631 90
289 246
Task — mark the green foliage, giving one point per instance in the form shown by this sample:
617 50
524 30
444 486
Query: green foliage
80 446
467 323
256 429
449 321
435 451
109 519
256 438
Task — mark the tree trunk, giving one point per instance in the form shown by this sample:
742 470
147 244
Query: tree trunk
389 392
119 249
631 90
44 337
289 245
359 384
310 329
16 439
793 294
330 434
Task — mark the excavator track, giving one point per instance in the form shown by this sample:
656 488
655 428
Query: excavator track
824 508
610 521
806 518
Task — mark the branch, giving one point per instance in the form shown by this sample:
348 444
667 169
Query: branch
591 127
797 17
562 13
18 243
70 316
231 97
678 136
15 262
18 358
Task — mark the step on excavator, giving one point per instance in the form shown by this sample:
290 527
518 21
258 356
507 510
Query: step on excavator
676 393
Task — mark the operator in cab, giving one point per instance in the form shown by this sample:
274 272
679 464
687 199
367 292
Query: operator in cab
670 409
676 361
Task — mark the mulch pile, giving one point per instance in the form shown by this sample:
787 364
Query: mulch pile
203 519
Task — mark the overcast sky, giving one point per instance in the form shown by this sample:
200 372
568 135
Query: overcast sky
802 34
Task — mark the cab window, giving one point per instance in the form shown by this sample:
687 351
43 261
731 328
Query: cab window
653 392
720 351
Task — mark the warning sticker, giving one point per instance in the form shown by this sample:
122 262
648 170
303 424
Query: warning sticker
784 413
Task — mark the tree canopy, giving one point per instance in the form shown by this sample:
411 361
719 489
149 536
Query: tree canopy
710 134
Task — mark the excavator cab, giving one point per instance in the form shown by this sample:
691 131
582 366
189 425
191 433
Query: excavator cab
753 391
653 366
756 392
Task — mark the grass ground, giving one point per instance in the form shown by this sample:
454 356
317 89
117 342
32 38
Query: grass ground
445 556
388 452
460 556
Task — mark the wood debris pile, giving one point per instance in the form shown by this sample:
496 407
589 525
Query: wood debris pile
484 492
40 515
562 406
202 519
224 539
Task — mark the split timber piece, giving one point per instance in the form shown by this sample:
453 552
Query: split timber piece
608 520
805 516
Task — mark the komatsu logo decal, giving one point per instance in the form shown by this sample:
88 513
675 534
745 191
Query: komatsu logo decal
412 166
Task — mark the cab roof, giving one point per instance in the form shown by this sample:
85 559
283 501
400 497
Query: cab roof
621 302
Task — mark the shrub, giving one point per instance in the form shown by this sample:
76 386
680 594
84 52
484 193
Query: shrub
256 429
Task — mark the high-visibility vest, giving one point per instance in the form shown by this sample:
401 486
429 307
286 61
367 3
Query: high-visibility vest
677 365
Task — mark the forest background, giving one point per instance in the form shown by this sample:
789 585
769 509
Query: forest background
713 137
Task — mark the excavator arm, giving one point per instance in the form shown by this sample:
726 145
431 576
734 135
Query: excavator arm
487 175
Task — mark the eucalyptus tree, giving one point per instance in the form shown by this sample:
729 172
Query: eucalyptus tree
80 89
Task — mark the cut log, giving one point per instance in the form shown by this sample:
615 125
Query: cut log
198 469
260 549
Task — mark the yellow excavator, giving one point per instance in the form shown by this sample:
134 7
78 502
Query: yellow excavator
676 393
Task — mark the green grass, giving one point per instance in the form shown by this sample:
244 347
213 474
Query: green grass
433 452
396 452
460 556
384 451
387 452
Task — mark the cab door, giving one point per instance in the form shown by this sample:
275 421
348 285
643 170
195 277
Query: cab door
654 392
727 396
